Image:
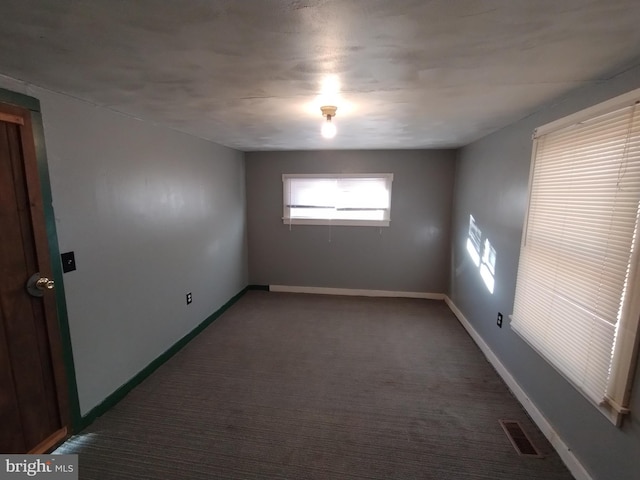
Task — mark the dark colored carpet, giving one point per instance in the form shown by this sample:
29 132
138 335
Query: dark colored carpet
286 386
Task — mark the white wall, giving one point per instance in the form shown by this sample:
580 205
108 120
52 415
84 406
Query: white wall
151 214
411 255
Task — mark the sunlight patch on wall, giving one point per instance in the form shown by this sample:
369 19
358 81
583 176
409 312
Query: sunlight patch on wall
488 267
483 255
473 241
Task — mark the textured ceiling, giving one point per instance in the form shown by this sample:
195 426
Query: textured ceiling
248 73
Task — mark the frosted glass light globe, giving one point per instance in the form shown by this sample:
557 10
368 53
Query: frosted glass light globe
328 129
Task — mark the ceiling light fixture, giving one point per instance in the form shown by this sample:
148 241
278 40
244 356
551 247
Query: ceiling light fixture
328 128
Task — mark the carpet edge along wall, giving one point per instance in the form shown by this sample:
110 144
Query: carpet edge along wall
111 400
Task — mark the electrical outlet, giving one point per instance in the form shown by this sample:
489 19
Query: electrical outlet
499 322
189 298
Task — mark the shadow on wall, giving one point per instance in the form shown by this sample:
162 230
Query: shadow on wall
483 255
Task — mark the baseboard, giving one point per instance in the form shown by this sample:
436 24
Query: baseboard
567 456
354 292
124 389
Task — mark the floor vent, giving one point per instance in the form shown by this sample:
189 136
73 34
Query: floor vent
519 439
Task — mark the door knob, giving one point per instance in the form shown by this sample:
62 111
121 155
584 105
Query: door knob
43 283
36 285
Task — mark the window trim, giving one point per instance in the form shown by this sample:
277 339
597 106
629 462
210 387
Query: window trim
586 114
287 220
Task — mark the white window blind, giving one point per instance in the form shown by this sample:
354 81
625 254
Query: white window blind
337 199
576 296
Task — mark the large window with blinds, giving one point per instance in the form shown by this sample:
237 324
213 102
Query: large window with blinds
337 199
577 295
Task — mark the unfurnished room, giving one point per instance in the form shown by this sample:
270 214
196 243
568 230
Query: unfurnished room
320 239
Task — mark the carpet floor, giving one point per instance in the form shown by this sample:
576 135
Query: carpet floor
292 386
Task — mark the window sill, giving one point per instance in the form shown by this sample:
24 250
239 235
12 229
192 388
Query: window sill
613 415
336 223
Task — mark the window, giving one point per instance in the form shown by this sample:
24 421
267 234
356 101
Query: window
577 293
337 199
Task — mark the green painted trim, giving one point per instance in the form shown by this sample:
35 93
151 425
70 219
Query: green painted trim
56 267
264 288
33 105
20 100
123 390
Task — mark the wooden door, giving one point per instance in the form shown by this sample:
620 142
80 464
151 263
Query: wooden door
33 392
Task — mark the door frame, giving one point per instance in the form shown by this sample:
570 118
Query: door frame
33 105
